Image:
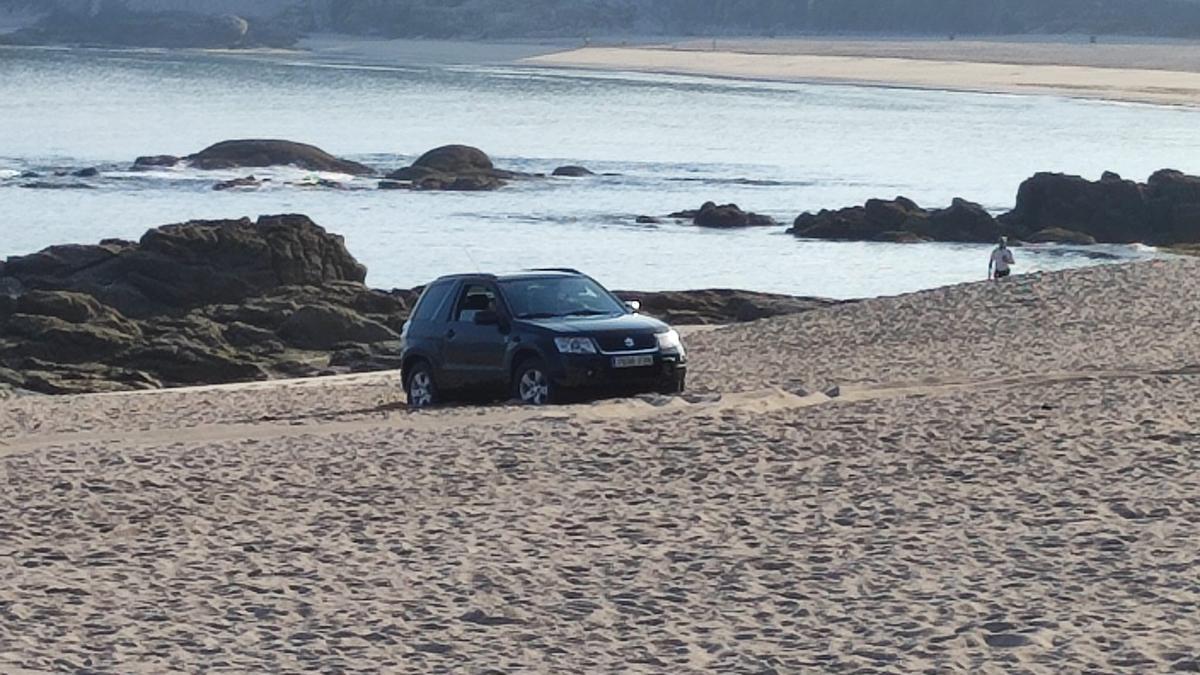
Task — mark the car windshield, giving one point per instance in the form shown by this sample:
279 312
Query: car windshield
552 297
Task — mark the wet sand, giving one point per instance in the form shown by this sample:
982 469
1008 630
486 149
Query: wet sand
1004 482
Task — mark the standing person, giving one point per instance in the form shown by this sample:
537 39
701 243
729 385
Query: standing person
1000 266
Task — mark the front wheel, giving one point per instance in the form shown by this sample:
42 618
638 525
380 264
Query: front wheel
675 385
532 384
421 389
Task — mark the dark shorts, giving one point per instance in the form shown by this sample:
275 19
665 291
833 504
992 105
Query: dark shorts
1000 274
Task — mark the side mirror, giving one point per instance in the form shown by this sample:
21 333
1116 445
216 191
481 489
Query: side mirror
487 318
635 305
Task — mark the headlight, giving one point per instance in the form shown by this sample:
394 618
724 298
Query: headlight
670 342
575 345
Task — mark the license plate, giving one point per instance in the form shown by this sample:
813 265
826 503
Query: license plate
639 361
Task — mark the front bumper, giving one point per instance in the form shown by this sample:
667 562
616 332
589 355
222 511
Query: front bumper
576 371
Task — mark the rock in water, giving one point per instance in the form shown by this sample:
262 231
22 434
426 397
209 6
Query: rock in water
1164 210
263 153
710 214
150 161
900 220
573 171
453 167
237 183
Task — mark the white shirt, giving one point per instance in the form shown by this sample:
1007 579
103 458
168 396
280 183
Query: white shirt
1001 259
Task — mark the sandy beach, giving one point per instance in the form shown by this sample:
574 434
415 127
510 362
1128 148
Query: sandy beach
1156 72
1005 482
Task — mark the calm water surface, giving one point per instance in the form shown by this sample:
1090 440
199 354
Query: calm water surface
676 142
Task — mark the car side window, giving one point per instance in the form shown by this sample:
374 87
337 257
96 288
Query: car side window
433 302
475 298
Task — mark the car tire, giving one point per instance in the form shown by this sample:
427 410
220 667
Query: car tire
676 385
420 386
532 384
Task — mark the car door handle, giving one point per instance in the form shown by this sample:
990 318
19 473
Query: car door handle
450 334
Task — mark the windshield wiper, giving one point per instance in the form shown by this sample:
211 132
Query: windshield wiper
539 315
589 312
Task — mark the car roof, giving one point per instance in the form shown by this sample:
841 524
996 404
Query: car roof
510 276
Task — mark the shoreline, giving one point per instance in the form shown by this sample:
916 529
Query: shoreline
915 71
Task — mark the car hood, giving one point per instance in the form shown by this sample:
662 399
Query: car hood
591 325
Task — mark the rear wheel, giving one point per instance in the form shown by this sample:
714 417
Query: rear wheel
421 389
532 384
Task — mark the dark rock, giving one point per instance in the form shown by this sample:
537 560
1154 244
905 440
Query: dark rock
648 220
72 307
573 172
210 300
179 267
262 153
89 172
48 185
244 335
1112 210
54 338
455 159
452 167
900 220
321 183
720 306
156 161
59 261
1163 211
324 326
10 288
394 185
962 221
244 182
181 360
723 216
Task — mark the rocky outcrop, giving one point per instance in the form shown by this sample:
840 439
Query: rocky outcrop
451 167
1165 210
263 153
183 266
725 216
720 306
900 220
202 302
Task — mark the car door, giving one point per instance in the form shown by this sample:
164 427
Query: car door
475 353
425 330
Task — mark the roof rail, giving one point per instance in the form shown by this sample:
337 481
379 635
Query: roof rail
567 270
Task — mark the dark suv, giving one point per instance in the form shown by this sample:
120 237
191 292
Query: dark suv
534 336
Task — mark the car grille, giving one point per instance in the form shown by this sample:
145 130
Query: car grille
617 342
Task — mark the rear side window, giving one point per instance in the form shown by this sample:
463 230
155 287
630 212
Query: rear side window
432 302
476 298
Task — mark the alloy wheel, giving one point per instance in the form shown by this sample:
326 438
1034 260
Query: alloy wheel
534 387
420 390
